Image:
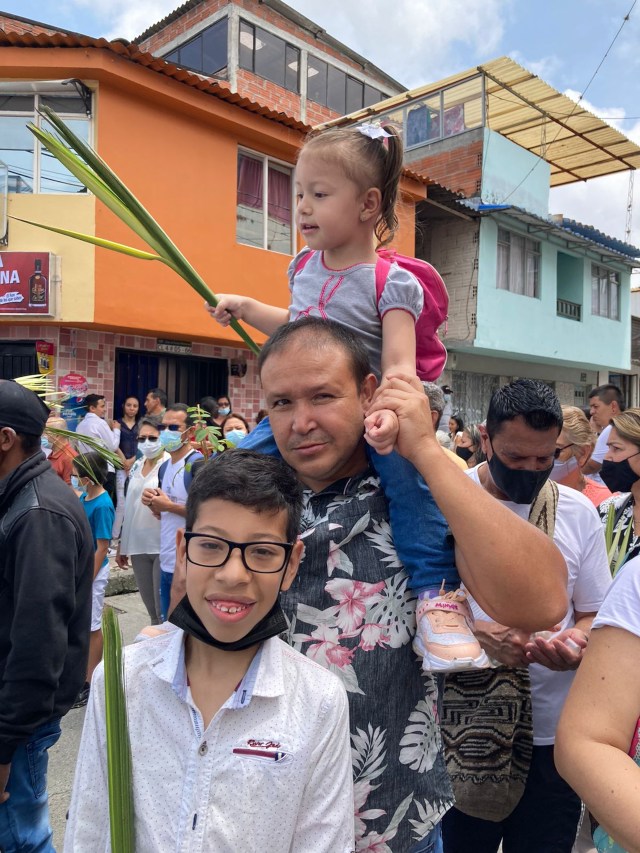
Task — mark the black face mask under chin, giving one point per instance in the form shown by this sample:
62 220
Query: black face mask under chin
618 476
185 617
520 486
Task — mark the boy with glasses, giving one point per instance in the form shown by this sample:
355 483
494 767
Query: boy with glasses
238 741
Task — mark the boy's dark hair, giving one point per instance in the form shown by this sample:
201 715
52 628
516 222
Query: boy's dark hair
210 405
92 400
326 333
159 394
92 466
532 400
253 480
608 393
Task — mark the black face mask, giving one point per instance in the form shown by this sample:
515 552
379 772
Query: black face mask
619 476
520 486
464 453
185 617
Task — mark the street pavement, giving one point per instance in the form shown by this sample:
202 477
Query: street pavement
132 616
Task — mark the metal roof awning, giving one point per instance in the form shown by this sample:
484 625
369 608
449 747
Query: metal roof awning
518 104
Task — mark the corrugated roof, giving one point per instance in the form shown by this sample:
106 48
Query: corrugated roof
133 53
577 144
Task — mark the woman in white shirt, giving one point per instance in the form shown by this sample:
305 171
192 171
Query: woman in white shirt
140 537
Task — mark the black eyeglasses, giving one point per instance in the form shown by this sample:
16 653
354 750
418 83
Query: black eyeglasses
214 551
151 438
558 450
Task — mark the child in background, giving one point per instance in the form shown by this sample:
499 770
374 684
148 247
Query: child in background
346 188
238 742
88 479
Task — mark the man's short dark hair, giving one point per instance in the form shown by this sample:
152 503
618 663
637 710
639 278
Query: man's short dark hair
323 333
92 400
534 401
253 480
608 393
159 394
93 466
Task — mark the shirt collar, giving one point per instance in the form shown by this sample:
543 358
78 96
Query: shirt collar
263 678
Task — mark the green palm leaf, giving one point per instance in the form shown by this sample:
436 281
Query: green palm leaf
119 770
92 171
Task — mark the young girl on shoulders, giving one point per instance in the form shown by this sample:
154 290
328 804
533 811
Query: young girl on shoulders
347 186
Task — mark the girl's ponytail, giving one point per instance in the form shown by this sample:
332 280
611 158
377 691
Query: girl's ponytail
387 225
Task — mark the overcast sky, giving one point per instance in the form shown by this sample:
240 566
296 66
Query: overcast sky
421 41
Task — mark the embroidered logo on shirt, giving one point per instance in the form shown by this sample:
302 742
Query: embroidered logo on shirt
264 750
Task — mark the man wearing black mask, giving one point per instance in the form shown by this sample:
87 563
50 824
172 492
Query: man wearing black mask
46 569
530 808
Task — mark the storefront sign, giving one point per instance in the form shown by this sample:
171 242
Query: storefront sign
176 347
24 283
46 359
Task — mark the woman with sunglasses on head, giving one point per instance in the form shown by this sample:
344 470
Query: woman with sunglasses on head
574 447
140 538
621 473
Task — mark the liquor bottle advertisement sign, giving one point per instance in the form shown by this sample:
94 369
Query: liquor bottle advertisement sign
25 283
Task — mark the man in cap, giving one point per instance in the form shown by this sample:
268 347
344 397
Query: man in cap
46 562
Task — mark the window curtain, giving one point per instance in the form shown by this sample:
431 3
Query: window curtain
280 195
250 182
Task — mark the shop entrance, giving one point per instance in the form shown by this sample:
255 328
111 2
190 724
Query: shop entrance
18 358
185 378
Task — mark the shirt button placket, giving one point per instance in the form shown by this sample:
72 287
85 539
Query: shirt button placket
203 749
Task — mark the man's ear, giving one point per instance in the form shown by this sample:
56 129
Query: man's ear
485 440
292 567
367 390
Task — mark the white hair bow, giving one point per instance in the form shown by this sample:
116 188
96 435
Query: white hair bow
373 131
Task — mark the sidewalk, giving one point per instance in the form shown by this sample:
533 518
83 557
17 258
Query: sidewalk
132 616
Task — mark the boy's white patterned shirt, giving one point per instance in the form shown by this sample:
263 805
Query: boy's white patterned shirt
272 771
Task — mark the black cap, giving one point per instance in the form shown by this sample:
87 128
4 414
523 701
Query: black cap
446 389
21 409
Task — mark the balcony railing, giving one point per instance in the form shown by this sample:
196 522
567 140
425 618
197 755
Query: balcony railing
569 310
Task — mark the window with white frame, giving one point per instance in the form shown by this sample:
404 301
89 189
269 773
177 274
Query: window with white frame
605 292
264 212
518 264
32 169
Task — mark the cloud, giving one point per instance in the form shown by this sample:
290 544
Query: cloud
546 67
123 19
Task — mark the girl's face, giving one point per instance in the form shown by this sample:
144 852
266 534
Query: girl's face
329 205
453 425
233 423
131 407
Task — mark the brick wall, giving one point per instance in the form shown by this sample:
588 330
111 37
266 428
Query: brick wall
453 252
92 353
455 163
11 25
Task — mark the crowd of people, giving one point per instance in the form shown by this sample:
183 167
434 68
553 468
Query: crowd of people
372 627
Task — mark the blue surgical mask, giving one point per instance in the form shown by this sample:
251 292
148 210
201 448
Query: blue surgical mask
561 470
44 442
171 440
77 485
235 436
225 411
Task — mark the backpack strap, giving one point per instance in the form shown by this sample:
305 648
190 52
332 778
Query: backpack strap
383 267
162 470
188 473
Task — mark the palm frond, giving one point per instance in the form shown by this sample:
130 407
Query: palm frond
92 171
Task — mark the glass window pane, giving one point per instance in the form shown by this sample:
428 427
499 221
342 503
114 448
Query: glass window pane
292 69
16 150
532 272
354 95
269 56
372 96
17 103
502 275
246 46
279 209
594 290
603 288
214 47
516 284
249 213
191 54
174 57
336 90
54 178
316 80
64 104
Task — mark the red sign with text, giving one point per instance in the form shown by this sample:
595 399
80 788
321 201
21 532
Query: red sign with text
24 283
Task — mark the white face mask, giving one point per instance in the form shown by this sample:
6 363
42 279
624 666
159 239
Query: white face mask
562 470
150 449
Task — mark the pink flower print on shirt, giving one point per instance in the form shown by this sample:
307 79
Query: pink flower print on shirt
353 597
373 634
328 651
